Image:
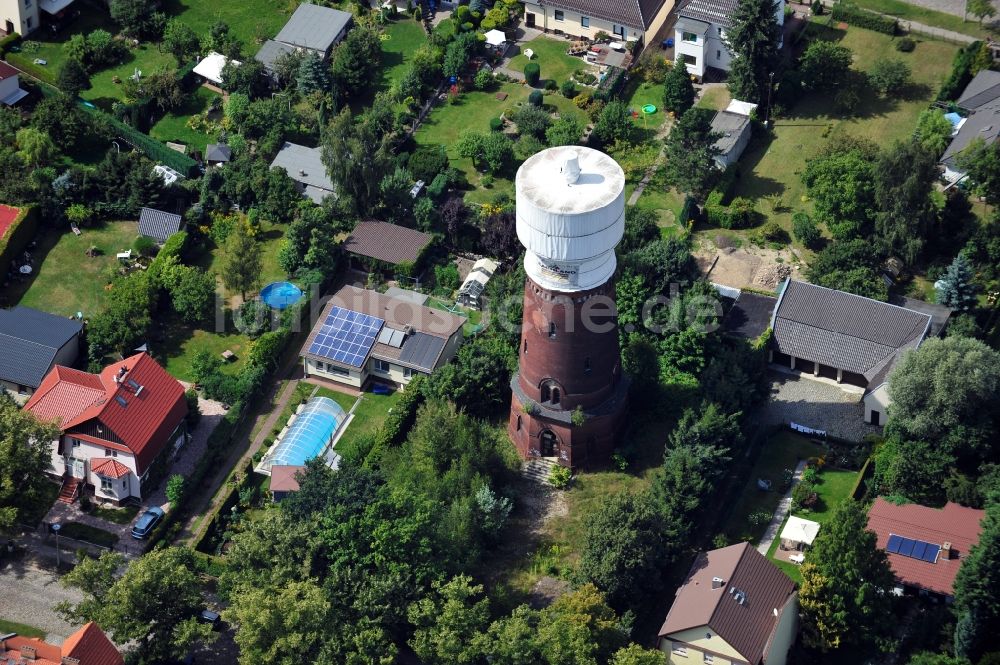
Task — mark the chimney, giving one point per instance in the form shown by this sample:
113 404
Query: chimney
69 660
946 551
718 583
571 169
27 652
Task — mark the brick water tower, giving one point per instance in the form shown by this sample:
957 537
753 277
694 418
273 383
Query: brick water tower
569 393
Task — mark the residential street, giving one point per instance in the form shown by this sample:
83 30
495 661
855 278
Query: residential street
29 596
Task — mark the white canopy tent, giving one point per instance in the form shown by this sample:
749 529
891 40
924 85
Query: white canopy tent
798 533
210 68
495 37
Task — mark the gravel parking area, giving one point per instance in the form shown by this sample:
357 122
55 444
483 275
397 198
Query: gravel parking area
29 596
818 405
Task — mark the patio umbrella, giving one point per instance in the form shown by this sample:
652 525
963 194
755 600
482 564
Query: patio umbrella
495 37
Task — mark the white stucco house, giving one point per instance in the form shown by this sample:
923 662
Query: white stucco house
628 20
113 426
699 34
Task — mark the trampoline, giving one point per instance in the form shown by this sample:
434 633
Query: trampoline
307 437
280 295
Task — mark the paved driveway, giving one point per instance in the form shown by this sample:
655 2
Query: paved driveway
28 595
818 405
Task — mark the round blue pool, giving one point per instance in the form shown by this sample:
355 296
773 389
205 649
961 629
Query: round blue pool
279 295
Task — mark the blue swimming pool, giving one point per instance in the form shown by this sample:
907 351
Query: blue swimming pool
279 295
308 435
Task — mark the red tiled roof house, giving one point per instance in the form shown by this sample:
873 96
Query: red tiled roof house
87 646
926 546
114 426
734 607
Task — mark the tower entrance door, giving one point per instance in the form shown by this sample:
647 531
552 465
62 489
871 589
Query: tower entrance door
550 444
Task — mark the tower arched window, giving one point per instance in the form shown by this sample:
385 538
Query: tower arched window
552 330
551 393
525 347
555 396
546 392
586 365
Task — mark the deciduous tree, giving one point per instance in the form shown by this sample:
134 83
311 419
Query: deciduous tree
975 591
614 124
25 453
154 603
447 622
241 260
73 78
825 65
180 41
846 593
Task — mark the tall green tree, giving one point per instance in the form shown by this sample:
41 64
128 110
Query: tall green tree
154 603
25 452
944 393
825 65
691 152
242 261
981 161
448 621
35 147
981 9
904 179
934 131
283 625
975 591
180 41
138 18
624 551
753 39
846 592
957 289
357 155
614 124
73 78
356 60
313 74
125 320
678 90
840 180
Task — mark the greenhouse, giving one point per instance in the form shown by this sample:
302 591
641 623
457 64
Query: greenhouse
308 434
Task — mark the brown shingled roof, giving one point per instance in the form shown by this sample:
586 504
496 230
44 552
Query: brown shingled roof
386 242
954 524
746 627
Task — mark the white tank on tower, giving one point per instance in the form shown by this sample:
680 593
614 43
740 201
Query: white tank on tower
570 217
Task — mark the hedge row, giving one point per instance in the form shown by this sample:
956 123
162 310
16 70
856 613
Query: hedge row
398 422
739 214
961 72
13 39
153 149
863 18
21 230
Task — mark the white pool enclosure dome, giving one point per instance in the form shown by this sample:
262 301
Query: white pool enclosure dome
308 434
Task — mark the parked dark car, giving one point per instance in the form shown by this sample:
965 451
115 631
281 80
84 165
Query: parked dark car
147 522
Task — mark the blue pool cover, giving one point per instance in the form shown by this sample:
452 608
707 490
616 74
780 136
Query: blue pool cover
953 118
308 435
279 295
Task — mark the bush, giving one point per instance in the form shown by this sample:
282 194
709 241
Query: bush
739 214
175 489
194 411
532 73
144 246
568 89
560 477
817 8
496 124
427 161
446 277
805 230
804 495
551 85
889 76
252 318
863 18
483 80
905 45
583 100
535 98
770 232
20 231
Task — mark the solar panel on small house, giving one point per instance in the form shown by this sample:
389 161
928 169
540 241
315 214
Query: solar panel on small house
346 336
914 549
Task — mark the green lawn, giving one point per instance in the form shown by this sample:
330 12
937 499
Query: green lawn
180 344
22 629
89 534
637 94
251 21
44 45
368 417
774 166
550 56
116 515
473 111
715 98
906 11
66 280
781 451
401 39
147 58
173 126
834 487
666 202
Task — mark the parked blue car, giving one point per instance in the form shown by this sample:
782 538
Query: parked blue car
147 522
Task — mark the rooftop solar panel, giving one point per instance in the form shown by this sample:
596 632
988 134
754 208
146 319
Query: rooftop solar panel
931 553
346 336
914 549
906 547
893 545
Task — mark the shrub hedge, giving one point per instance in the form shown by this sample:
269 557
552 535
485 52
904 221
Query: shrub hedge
153 149
532 72
863 18
961 73
739 214
13 39
21 230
